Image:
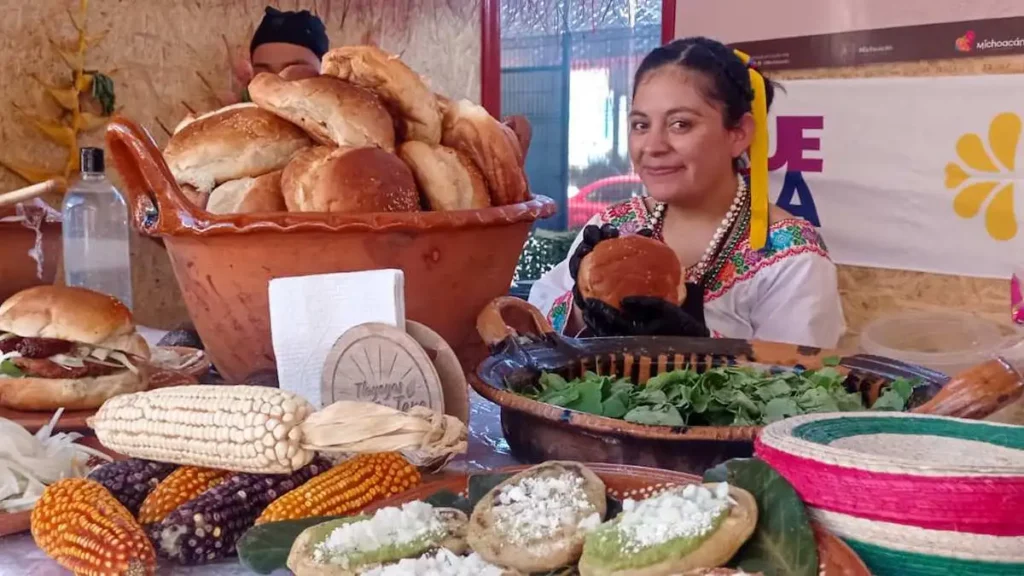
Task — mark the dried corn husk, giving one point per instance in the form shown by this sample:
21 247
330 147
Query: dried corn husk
426 438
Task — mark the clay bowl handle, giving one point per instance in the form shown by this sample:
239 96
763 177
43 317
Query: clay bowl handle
492 325
157 205
977 392
521 127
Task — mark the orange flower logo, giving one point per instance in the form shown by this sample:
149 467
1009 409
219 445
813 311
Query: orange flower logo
988 177
966 42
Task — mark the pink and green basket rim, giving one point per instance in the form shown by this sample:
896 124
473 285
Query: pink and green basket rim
899 491
884 561
827 431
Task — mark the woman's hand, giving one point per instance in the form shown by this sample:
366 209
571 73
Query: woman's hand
640 315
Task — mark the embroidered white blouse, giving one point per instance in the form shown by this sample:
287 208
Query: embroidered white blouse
785 292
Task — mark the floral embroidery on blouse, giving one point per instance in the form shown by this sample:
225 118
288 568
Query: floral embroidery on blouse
786 238
559 314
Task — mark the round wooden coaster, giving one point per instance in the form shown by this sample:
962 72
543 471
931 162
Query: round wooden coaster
453 379
381 364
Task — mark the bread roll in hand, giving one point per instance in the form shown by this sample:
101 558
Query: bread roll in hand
618 296
630 266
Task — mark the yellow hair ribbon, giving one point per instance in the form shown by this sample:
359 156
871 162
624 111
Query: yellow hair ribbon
758 159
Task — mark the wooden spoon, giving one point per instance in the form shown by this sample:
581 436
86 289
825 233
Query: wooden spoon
32 192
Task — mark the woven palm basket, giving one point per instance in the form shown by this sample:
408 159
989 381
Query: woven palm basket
913 495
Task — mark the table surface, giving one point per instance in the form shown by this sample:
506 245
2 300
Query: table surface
19 555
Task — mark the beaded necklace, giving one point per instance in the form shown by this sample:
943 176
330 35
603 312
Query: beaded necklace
724 240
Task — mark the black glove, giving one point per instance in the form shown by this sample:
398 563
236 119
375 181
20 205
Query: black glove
640 315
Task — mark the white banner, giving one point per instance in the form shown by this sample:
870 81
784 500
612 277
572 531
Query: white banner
915 173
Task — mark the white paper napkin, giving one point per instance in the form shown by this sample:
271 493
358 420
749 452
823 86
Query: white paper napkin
309 313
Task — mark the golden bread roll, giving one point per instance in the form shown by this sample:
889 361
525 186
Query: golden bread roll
492 146
631 266
239 141
349 180
248 195
416 110
333 112
448 179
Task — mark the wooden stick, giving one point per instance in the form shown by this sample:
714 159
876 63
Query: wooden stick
31 192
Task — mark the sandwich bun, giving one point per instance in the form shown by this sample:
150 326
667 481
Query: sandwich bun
239 141
73 314
47 394
417 114
248 195
492 146
66 318
631 266
332 112
349 180
448 178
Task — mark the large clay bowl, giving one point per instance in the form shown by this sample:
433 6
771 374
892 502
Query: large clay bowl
18 270
454 262
536 431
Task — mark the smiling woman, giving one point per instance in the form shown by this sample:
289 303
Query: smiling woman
698 121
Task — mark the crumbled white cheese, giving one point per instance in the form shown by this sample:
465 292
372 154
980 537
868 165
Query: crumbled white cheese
441 563
590 522
690 512
390 526
537 508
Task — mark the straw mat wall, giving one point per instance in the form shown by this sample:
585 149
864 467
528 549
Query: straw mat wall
170 54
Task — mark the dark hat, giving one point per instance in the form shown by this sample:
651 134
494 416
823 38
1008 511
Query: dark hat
299 28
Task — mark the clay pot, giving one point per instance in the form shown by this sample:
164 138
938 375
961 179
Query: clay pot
18 270
537 431
454 262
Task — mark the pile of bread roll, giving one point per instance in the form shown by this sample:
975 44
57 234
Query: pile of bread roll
367 135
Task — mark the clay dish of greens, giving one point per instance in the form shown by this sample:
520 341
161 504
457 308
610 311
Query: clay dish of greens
688 403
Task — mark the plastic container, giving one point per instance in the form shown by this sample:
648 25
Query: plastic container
948 342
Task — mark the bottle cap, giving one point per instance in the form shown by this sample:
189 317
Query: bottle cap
91 160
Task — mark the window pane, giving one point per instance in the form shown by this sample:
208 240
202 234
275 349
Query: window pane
567 65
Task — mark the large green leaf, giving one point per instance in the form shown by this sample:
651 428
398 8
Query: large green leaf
264 548
783 543
449 499
481 484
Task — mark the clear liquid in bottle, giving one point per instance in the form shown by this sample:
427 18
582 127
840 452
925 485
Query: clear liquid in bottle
97 252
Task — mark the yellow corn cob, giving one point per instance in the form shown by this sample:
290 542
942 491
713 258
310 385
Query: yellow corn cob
86 530
182 485
346 488
239 428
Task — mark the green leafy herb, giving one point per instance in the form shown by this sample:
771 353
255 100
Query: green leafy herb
896 396
448 499
480 484
8 368
103 92
725 396
783 543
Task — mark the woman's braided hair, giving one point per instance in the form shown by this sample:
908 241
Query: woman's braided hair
727 75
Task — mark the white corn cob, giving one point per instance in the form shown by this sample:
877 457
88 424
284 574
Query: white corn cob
240 428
